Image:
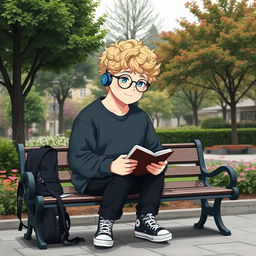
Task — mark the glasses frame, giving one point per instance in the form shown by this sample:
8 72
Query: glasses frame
147 83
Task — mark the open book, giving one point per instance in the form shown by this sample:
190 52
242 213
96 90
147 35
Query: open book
145 157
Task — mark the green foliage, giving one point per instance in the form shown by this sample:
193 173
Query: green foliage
208 137
246 176
34 109
214 122
67 133
53 141
8 155
59 30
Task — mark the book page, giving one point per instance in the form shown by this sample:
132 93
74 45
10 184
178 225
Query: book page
161 152
141 148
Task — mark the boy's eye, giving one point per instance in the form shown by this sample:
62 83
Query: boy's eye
140 84
123 79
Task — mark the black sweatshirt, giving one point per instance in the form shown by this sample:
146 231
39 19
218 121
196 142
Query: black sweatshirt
99 136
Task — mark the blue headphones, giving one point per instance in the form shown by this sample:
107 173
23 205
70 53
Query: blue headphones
106 79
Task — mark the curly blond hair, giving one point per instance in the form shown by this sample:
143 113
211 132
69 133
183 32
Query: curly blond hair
130 54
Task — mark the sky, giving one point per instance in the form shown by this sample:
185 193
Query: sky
169 11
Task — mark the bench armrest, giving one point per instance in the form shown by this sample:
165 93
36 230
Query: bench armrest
29 185
233 178
231 172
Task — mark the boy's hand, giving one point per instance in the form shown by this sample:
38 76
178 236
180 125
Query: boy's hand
122 166
156 169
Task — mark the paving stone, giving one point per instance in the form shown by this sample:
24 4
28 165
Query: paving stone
239 248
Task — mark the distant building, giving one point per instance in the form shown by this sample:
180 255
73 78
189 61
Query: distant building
246 111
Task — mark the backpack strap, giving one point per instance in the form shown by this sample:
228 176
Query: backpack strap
20 196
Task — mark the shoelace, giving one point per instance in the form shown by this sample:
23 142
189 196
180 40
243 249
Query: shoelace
105 226
150 221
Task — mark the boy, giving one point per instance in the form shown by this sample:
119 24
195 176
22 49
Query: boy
105 131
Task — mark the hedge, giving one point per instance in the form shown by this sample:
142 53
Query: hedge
208 137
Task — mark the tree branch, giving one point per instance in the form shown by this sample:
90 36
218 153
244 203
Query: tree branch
5 75
33 75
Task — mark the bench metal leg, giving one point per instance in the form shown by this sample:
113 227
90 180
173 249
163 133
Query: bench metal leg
41 244
204 214
218 220
28 234
207 210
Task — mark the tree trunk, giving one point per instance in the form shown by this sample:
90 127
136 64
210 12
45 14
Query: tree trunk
224 112
178 121
234 123
195 115
15 91
17 102
61 110
157 121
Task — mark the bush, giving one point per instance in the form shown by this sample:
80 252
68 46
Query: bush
67 133
214 123
53 141
8 156
246 176
208 137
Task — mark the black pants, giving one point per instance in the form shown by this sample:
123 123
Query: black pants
115 189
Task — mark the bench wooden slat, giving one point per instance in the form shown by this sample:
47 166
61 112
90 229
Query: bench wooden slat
65 176
183 156
183 153
176 171
167 185
177 192
181 171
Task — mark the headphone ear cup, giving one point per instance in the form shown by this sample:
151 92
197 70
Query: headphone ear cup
106 79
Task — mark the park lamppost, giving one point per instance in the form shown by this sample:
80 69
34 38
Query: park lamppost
55 84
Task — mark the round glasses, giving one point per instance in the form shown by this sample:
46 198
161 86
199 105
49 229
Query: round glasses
125 81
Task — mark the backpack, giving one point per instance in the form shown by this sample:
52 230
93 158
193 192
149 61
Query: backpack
55 224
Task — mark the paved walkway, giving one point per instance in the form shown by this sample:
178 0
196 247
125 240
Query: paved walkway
186 240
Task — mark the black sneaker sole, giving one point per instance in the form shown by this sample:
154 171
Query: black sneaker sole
157 239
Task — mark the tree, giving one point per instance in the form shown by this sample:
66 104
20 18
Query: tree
34 110
156 104
59 84
130 19
38 35
217 52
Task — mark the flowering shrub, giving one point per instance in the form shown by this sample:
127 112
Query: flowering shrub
53 141
246 176
8 190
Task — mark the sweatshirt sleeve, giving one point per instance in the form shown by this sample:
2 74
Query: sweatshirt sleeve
82 157
151 140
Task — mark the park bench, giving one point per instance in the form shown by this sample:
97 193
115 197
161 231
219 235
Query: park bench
186 161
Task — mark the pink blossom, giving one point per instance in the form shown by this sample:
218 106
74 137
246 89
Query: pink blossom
2 176
240 179
252 168
14 170
242 173
2 171
247 169
12 178
225 173
247 164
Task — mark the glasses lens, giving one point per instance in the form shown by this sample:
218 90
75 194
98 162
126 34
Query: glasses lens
142 85
124 81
